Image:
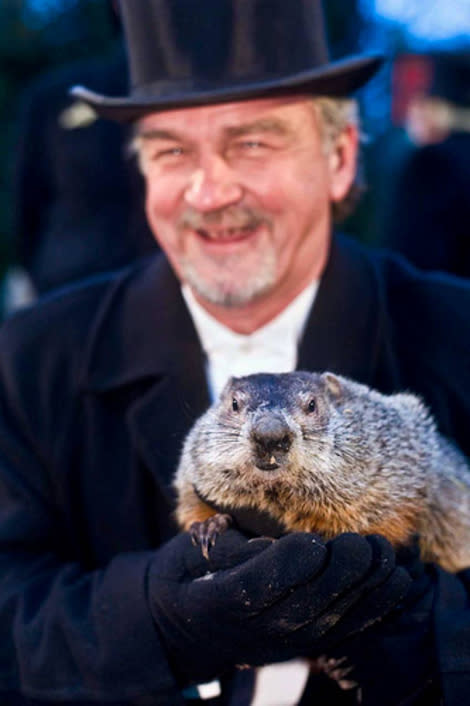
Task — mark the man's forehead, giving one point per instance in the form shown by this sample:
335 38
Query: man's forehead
264 113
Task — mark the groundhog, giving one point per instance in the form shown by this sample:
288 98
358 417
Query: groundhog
322 453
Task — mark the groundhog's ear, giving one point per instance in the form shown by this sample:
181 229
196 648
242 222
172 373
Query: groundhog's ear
332 384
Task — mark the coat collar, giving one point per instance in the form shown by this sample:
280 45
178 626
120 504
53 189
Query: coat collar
143 328
345 330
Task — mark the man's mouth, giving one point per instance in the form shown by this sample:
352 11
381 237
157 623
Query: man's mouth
227 235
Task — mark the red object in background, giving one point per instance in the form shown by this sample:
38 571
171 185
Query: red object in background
411 76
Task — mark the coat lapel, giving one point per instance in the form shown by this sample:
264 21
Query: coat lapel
346 331
143 339
161 419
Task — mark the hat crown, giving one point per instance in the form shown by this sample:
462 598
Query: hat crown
200 52
202 42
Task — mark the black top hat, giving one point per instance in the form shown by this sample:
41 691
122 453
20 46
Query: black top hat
193 52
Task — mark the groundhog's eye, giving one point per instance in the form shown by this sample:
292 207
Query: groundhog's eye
235 406
312 405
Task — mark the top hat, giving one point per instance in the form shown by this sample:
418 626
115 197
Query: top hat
194 52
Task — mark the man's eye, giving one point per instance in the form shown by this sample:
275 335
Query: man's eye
171 152
168 152
252 145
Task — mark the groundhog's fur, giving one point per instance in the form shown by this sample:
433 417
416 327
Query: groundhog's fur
322 453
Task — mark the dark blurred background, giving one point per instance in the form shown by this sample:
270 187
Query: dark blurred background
34 37
38 35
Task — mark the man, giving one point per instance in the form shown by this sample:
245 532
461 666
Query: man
242 162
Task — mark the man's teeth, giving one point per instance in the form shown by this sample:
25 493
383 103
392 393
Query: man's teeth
224 233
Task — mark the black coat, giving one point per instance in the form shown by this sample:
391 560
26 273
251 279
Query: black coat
99 387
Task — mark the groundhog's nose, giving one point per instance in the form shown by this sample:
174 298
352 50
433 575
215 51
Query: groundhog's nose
271 439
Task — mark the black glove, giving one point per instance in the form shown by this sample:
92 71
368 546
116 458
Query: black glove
266 601
393 661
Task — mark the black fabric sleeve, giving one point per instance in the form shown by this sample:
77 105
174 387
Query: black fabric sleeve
68 634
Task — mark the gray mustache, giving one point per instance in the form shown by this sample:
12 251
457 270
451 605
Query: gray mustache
229 217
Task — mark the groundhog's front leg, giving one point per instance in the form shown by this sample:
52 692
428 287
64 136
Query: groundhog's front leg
201 520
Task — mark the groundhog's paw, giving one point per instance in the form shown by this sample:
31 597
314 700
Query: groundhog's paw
205 533
336 669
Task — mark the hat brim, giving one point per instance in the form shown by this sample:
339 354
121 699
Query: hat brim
339 78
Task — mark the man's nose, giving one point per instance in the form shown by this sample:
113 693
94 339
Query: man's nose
212 186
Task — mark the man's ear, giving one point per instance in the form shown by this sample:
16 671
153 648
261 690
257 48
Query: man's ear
342 163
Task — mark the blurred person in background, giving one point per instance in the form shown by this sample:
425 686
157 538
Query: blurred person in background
429 213
78 197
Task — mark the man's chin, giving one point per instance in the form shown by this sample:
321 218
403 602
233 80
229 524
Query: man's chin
228 299
233 285
220 294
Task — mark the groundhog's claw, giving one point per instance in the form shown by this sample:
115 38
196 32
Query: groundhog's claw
205 533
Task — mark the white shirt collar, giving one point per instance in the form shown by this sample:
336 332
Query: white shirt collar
272 348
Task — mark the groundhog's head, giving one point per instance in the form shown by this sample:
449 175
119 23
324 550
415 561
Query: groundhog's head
314 451
275 414
266 442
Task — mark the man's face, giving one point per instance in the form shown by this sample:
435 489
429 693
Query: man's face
238 196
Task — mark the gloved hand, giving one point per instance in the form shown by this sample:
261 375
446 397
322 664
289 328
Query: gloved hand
393 661
266 600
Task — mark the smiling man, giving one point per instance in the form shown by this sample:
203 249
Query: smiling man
247 137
